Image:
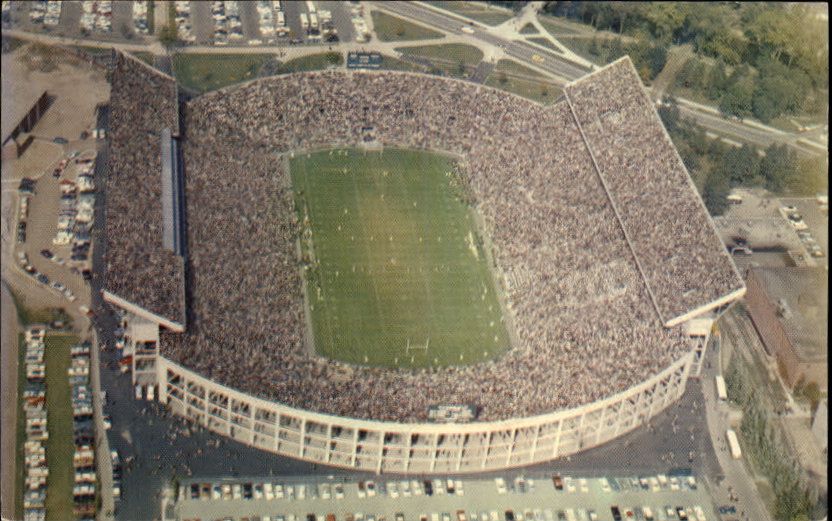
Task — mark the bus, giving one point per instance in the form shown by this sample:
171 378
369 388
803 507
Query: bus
721 389
733 444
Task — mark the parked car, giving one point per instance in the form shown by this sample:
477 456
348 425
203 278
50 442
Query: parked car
46 253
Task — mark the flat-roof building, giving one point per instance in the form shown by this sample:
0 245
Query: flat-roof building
788 307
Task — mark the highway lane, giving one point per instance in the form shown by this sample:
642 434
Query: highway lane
569 71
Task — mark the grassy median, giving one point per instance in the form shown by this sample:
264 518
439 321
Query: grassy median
204 72
60 446
390 28
512 77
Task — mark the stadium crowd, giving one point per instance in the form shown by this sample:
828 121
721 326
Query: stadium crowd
142 103
583 319
677 255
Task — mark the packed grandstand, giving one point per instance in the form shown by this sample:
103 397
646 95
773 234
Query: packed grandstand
589 210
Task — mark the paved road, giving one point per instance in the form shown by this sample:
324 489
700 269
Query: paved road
734 471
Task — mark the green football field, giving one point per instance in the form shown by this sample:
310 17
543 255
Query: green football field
396 273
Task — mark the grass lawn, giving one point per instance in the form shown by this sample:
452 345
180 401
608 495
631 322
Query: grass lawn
60 446
479 11
453 52
395 260
146 57
560 26
313 62
510 76
528 29
392 63
580 46
391 28
204 72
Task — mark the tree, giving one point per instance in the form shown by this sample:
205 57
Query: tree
777 167
812 393
718 81
665 19
741 165
715 194
168 36
738 96
780 90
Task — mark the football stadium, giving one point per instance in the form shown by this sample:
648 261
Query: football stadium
404 273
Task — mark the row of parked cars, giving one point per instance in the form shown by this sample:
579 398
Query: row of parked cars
666 513
83 426
97 16
790 213
34 407
45 12
267 491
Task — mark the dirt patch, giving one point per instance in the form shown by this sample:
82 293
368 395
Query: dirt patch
77 88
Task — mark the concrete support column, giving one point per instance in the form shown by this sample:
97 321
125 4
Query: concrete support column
354 447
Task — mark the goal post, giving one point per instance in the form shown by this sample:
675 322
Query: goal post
417 347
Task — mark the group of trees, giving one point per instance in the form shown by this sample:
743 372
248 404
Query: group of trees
770 57
763 441
649 58
716 167
769 91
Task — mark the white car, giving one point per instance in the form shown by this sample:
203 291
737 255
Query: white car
216 491
417 487
278 491
258 491
605 485
339 491
405 488
371 489
268 491
584 485
301 491
393 490
501 485
236 491
459 490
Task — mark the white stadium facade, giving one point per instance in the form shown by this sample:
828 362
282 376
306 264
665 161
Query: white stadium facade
651 273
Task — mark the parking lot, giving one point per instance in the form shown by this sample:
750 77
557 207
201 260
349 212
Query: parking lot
221 23
762 230
533 497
